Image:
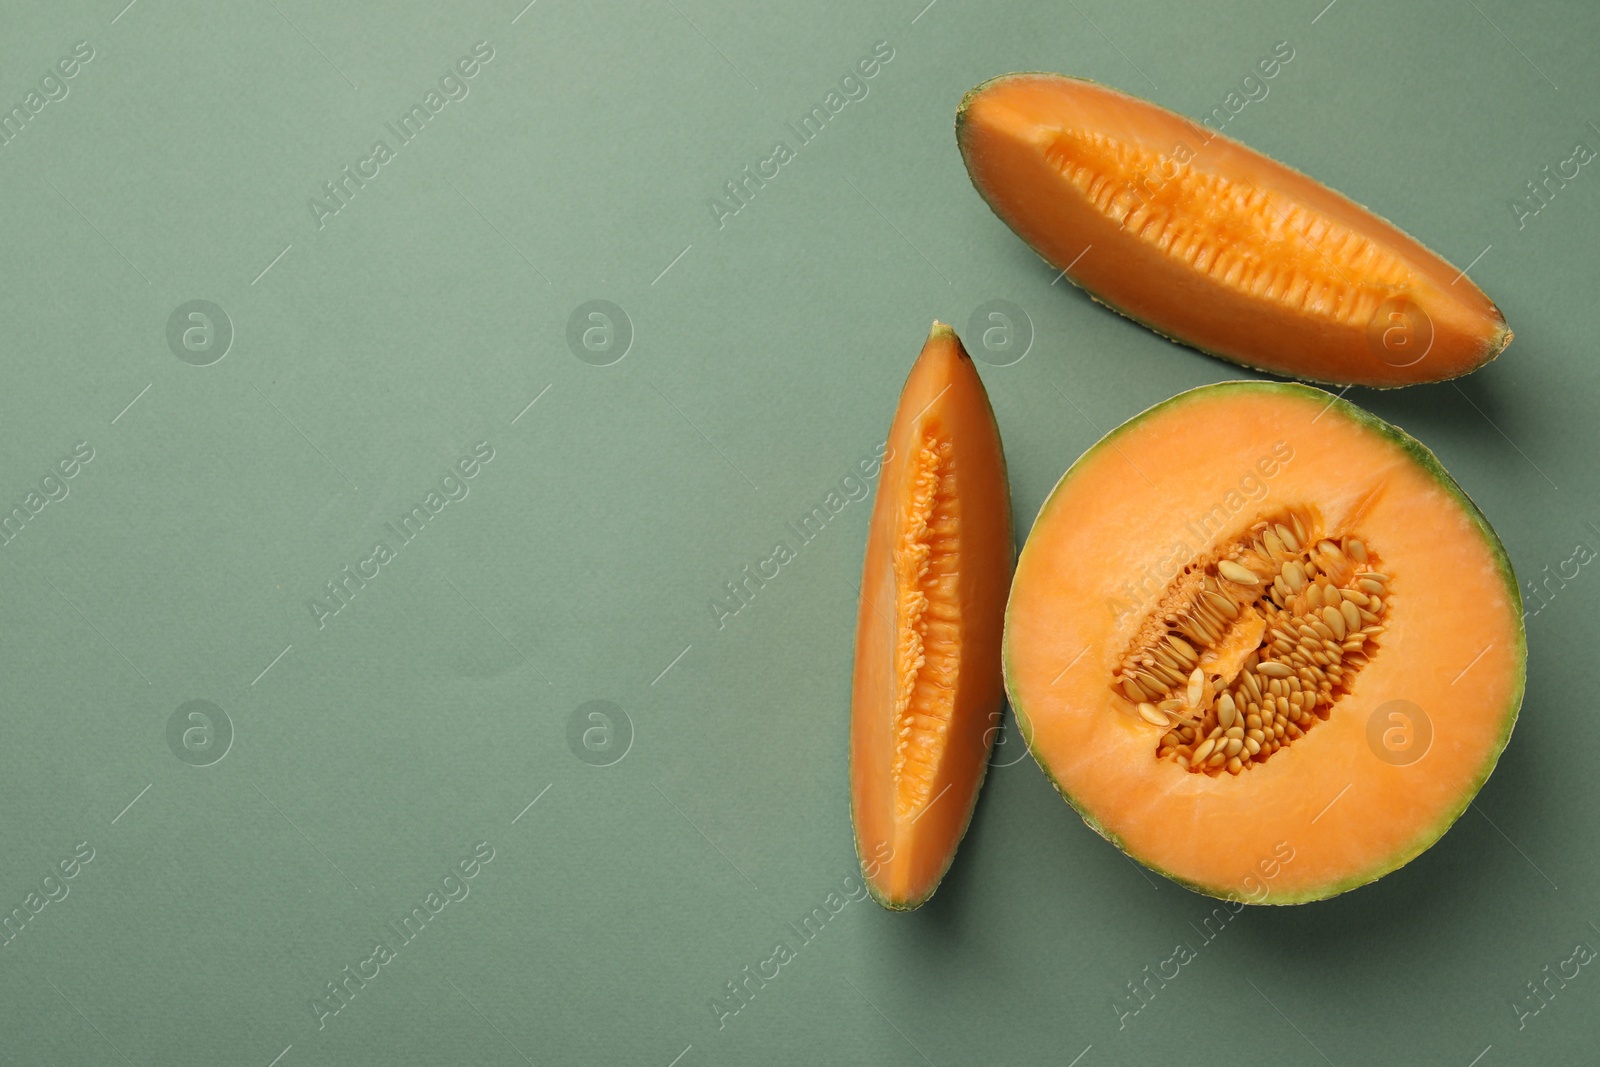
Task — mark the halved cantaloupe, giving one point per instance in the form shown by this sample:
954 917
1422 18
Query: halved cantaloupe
1215 245
927 689
1263 642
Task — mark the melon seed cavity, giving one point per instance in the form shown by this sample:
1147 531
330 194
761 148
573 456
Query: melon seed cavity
927 623
1303 259
1253 644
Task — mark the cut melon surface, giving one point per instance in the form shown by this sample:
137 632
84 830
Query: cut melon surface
1263 642
1213 244
927 688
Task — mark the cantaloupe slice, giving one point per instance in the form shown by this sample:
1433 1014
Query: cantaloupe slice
927 687
1215 245
1264 643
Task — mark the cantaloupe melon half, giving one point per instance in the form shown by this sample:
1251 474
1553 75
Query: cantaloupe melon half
1263 642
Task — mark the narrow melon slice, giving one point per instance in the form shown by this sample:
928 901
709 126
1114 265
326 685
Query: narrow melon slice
1215 245
927 687
1263 643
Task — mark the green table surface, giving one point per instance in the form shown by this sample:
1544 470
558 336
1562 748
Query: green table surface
358 348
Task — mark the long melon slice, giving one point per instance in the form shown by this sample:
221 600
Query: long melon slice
1264 643
1215 245
927 687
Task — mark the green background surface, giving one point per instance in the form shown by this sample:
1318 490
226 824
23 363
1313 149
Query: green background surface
370 754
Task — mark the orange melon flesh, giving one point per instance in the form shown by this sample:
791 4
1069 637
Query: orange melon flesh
927 688
1153 496
1215 245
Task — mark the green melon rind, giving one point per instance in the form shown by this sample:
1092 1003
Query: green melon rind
1423 457
1491 353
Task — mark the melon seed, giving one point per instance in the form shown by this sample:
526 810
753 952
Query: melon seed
1299 527
1152 716
1223 604
1333 618
1295 575
1237 574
